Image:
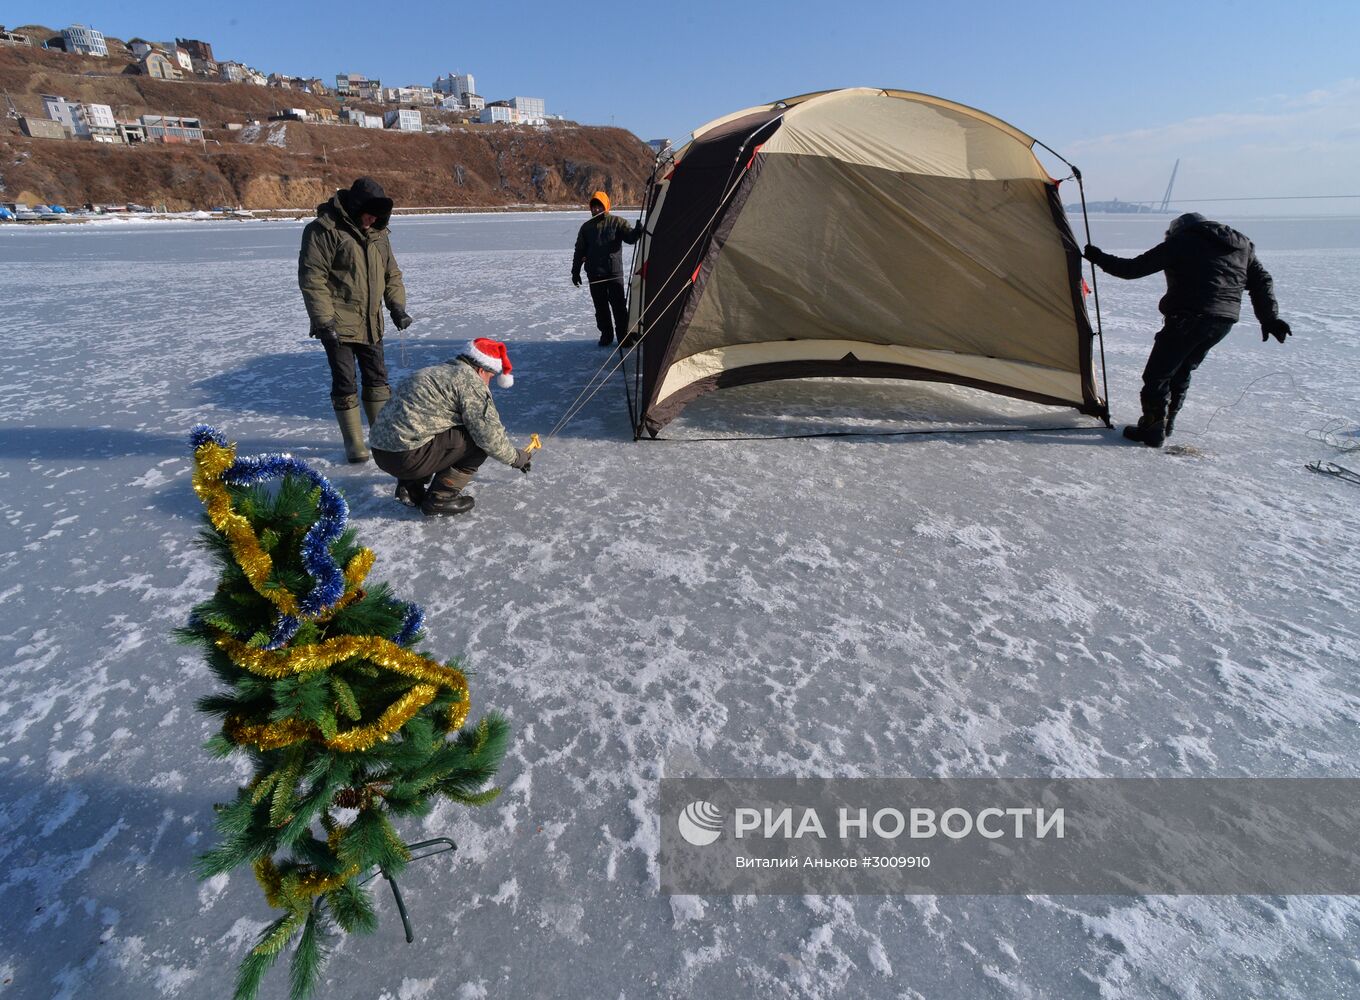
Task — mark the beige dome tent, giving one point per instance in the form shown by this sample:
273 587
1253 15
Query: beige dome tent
868 233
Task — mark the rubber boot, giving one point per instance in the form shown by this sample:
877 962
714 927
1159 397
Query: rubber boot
375 398
445 495
410 492
1175 407
351 428
1150 430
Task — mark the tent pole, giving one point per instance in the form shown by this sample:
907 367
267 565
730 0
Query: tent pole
640 253
1095 294
1095 289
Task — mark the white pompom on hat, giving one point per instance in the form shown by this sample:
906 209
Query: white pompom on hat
491 355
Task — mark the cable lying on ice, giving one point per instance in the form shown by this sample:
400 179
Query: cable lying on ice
1338 433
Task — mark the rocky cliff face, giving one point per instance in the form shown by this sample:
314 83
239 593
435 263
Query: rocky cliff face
290 164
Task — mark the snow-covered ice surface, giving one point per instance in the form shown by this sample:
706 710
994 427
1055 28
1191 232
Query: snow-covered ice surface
1030 603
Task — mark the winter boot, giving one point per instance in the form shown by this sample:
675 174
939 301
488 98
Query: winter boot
351 428
410 492
1172 410
1149 431
445 495
606 340
375 398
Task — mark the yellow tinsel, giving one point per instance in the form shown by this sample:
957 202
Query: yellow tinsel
280 663
358 568
355 574
211 461
276 735
280 890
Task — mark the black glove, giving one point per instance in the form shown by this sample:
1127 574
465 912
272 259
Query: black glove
400 319
576 278
1276 328
521 461
327 335
1091 252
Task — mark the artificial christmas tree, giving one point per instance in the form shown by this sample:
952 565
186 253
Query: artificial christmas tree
345 724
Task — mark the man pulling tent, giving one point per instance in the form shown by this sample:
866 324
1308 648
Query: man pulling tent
870 233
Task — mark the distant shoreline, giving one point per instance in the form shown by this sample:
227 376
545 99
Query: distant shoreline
290 214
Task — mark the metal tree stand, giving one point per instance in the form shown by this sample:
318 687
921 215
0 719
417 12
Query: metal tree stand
440 845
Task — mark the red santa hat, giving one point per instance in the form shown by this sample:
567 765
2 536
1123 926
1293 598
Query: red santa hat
491 355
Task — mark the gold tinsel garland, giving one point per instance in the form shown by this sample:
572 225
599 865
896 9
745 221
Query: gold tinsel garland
211 461
294 890
277 735
278 664
298 886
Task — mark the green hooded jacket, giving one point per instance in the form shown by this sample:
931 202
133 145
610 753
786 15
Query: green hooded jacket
347 275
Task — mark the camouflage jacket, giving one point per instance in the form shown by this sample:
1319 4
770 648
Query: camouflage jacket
430 401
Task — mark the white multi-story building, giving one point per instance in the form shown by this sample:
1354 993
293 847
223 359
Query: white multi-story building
100 123
408 95
463 102
500 112
232 72
455 85
182 57
100 116
404 120
530 109
84 41
67 113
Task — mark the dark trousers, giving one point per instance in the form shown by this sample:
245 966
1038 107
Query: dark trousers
450 449
610 296
1181 344
342 358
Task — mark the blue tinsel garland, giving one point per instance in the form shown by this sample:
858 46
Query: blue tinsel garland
332 512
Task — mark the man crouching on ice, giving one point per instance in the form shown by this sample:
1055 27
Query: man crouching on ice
442 423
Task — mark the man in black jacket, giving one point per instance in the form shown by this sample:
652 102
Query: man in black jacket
1207 266
599 246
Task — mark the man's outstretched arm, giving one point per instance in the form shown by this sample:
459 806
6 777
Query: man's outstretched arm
1141 266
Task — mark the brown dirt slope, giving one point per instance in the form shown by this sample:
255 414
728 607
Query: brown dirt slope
290 165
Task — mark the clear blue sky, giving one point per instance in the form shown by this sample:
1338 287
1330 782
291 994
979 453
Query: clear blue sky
1255 97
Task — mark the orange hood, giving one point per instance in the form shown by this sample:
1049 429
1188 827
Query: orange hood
602 198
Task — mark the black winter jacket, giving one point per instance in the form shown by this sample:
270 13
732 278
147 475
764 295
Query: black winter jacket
599 245
1207 266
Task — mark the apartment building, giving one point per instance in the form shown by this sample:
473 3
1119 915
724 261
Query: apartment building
84 41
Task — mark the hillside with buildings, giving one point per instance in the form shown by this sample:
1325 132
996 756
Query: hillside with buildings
165 124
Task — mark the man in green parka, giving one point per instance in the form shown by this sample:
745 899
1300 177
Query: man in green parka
347 275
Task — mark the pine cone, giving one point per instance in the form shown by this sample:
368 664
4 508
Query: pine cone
350 798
